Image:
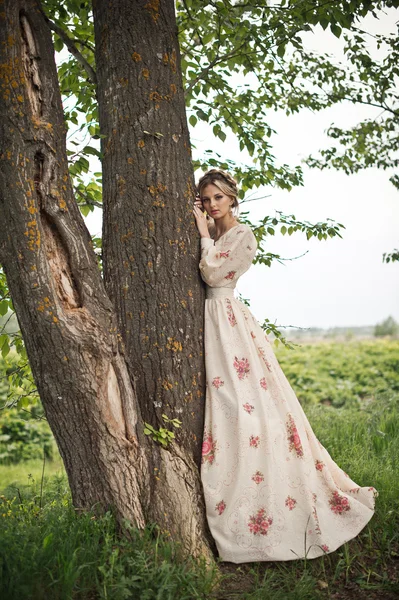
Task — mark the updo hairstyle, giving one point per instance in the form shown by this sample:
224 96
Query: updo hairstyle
226 184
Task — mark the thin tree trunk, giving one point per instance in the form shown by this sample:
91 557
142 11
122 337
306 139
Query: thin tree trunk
68 321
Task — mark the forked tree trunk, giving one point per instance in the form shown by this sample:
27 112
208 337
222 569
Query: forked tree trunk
96 389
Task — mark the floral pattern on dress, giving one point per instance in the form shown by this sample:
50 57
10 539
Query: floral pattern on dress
339 504
220 507
315 515
254 441
247 515
230 275
209 448
261 353
224 253
230 313
217 382
259 523
295 444
290 502
242 367
258 477
248 408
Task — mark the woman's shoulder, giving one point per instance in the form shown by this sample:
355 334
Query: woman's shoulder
243 228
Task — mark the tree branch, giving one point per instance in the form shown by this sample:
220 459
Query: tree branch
69 43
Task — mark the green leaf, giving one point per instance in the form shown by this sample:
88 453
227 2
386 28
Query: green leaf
5 349
336 30
3 307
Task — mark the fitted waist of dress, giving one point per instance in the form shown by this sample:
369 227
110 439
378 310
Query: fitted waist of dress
219 292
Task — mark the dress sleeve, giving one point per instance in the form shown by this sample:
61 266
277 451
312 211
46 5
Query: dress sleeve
226 262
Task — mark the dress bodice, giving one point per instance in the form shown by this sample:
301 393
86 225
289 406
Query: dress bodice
224 261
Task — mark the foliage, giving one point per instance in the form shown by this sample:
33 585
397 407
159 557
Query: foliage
82 555
24 434
391 256
363 80
235 70
17 387
23 438
387 327
373 142
341 374
162 436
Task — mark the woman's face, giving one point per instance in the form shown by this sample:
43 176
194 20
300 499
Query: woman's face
215 202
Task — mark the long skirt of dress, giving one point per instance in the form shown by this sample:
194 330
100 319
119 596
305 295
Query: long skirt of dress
272 491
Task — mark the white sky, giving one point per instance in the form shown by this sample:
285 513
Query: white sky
340 282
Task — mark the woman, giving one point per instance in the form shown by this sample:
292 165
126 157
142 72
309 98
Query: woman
272 491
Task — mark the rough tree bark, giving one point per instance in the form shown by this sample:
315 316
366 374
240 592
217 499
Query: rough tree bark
104 362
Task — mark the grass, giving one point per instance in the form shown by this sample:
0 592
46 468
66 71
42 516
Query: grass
54 553
12 475
49 551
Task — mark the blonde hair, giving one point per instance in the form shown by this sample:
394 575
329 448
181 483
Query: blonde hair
226 184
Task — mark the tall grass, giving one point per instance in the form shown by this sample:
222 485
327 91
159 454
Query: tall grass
54 553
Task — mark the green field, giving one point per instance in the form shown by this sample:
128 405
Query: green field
350 394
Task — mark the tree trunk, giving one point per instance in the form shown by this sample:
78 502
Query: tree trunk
68 321
150 243
149 238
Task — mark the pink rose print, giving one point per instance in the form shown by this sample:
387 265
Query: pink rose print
319 465
230 313
325 548
220 506
258 477
217 382
253 335
224 253
290 502
254 441
263 383
355 490
242 367
339 504
209 447
248 408
295 444
259 523
230 275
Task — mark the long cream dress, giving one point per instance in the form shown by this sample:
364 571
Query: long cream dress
272 491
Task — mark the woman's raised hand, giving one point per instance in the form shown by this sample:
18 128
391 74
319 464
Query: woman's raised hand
200 218
198 202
